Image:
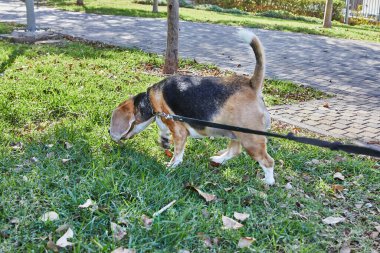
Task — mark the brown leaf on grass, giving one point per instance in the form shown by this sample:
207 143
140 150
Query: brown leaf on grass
288 186
122 250
168 153
146 221
50 216
63 242
228 189
87 204
337 188
241 216
206 240
118 232
62 228
68 145
374 235
378 228
51 245
339 176
14 221
208 197
333 220
17 145
345 248
245 242
64 160
229 223
205 213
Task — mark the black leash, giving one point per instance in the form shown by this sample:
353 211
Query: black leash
290 136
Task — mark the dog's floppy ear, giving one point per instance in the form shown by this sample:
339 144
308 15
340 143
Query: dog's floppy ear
122 119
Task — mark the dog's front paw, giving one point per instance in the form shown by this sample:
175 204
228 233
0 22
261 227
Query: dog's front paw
173 163
269 181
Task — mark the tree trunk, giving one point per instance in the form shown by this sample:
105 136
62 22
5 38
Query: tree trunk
30 16
328 14
171 59
155 6
80 2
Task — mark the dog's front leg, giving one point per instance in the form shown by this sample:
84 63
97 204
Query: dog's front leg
179 134
164 134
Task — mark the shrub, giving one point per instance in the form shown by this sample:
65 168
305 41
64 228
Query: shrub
287 15
182 3
211 7
313 8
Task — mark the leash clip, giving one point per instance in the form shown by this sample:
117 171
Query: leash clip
166 116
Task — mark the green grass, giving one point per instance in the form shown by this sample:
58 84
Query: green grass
128 8
52 94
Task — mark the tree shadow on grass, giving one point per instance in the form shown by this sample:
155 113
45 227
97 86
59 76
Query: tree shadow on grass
16 52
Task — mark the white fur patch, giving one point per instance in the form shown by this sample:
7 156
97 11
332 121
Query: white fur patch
246 35
269 176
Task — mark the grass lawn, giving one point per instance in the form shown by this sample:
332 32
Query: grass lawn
128 8
57 99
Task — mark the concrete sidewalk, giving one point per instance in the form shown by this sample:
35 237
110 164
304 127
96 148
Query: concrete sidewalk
349 69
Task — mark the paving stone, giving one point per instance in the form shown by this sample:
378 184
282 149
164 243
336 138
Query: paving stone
371 130
354 130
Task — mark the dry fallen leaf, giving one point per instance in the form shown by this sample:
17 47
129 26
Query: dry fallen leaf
288 186
374 235
118 232
50 216
147 221
333 220
64 161
241 216
14 221
378 228
62 228
122 250
206 240
168 153
62 242
339 176
68 145
183 251
337 188
208 197
229 223
51 245
50 155
345 248
88 203
245 242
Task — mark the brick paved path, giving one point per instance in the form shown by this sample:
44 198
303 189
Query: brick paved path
349 69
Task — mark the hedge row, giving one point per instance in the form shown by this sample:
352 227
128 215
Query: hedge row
312 8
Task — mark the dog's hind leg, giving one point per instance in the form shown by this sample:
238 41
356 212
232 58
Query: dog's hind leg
234 149
256 147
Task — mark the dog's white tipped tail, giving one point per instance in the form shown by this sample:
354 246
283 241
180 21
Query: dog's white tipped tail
257 79
246 35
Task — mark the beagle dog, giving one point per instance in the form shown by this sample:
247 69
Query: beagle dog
235 100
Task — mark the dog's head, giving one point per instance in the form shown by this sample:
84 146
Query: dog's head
131 117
